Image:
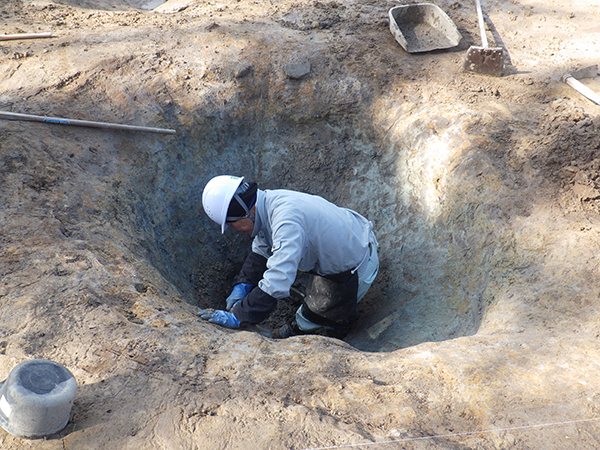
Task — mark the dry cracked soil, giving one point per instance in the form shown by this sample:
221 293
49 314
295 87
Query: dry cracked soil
482 329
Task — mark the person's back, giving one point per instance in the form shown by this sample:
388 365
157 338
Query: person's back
332 239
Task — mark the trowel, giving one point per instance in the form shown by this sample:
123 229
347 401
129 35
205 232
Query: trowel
572 79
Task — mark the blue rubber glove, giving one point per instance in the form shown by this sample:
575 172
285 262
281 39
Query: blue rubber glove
237 295
220 317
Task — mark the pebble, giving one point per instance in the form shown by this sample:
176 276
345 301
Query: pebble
296 71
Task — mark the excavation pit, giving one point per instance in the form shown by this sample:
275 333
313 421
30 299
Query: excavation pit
427 290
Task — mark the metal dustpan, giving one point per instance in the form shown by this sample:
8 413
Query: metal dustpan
423 27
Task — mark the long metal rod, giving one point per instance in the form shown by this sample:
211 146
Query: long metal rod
81 123
12 37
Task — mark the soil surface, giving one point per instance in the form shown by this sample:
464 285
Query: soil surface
481 331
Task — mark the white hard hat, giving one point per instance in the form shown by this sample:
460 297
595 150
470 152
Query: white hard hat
217 196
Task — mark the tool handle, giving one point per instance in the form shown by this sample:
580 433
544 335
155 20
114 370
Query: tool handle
12 37
484 41
82 123
582 89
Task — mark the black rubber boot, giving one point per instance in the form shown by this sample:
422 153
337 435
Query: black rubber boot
287 330
291 329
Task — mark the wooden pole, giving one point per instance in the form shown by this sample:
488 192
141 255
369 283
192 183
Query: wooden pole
81 123
12 37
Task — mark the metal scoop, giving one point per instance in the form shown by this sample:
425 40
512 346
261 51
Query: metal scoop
485 60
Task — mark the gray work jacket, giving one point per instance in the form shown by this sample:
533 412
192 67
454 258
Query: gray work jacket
298 231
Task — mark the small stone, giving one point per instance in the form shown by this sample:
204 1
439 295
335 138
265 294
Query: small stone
141 288
296 71
243 71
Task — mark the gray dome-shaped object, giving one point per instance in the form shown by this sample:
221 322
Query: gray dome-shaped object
36 399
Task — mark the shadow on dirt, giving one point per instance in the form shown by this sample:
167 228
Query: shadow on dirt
114 5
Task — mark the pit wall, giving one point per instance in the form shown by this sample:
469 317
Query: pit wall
472 237
441 196
442 209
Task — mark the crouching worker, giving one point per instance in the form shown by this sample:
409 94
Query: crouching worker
293 231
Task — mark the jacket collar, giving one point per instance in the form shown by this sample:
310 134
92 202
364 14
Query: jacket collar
259 212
